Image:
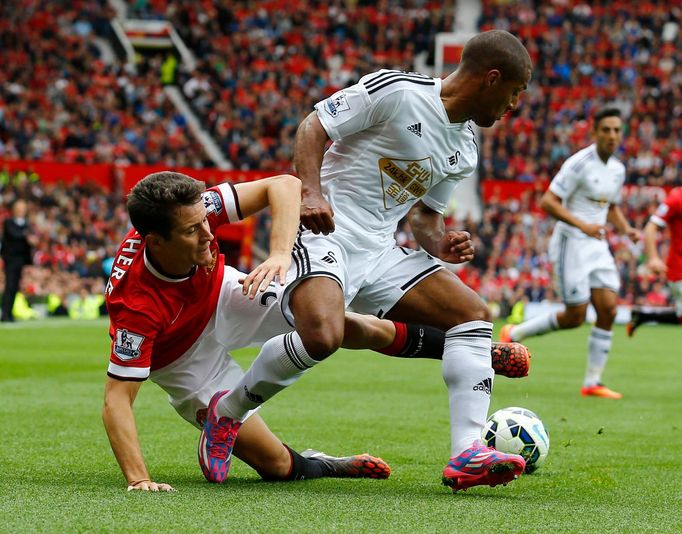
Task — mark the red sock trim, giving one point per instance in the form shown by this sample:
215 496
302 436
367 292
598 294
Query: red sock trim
398 342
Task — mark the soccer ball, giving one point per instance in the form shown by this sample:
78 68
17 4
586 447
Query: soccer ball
516 430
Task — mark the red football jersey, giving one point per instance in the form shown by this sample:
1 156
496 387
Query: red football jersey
155 319
670 213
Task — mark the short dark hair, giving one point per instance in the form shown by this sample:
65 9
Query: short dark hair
497 49
153 201
603 113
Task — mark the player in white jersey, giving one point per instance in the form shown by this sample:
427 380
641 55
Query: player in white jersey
583 197
400 144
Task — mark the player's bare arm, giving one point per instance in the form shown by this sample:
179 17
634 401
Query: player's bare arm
551 203
119 422
654 261
283 195
311 139
429 230
621 224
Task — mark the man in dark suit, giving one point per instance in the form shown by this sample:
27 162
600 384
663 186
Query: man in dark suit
15 252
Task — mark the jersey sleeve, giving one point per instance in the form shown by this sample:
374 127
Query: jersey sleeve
352 110
132 340
438 197
565 182
667 210
222 205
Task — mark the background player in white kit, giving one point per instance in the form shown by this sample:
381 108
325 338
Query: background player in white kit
584 196
401 142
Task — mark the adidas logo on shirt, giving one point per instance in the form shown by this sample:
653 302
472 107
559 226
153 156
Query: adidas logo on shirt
484 385
416 129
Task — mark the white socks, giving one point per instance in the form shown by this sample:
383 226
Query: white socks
535 326
466 370
598 347
468 375
281 361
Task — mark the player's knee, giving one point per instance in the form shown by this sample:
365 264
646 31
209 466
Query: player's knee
607 314
573 320
479 312
320 342
474 310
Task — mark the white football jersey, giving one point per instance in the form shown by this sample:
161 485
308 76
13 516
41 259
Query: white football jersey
393 144
588 186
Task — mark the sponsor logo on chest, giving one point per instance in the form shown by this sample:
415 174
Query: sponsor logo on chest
404 180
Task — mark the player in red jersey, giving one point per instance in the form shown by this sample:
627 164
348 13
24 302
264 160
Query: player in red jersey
176 309
668 214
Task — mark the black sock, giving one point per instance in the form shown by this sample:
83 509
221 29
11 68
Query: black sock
303 468
416 341
667 316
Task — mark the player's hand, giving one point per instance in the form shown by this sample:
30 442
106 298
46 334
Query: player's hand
598 231
634 234
456 247
259 279
149 485
316 214
657 266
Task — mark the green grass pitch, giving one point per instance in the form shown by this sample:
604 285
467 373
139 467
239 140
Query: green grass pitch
613 466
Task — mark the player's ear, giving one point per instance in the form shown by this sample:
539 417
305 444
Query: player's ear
492 77
153 240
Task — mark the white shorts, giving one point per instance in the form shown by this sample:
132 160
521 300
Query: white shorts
676 292
373 281
581 265
207 367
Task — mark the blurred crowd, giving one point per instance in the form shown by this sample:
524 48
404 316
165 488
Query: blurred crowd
77 229
261 65
260 68
586 55
60 101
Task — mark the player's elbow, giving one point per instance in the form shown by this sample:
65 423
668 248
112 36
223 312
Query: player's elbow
288 181
546 204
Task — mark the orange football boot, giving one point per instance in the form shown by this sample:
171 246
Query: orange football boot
505 334
600 390
510 359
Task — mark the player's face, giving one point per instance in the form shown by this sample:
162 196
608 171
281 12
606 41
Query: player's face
498 99
189 242
608 134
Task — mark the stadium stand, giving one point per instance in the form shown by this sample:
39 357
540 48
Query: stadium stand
62 102
261 66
